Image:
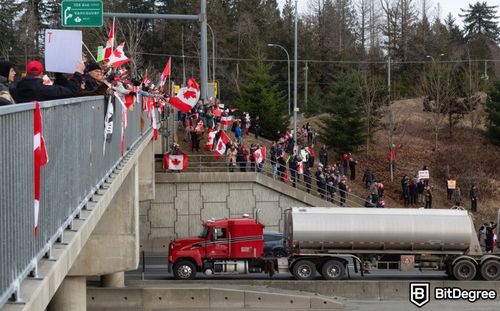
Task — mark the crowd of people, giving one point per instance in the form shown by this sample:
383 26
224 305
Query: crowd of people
89 79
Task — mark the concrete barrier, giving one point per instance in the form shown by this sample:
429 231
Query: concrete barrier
227 299
122 299
255 299
175 298
202 297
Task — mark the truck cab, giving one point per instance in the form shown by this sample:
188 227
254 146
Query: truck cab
223 246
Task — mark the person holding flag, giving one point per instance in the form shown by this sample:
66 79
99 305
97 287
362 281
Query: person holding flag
175 160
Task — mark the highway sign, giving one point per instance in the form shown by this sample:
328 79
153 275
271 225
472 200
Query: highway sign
82 13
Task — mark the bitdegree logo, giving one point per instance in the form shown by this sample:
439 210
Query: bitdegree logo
471 295
420 294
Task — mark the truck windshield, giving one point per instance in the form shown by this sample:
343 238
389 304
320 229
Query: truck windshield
204 233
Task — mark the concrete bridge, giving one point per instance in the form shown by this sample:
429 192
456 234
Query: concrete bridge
99 208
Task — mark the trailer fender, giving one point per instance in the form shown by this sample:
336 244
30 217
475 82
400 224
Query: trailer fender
487 257
464 257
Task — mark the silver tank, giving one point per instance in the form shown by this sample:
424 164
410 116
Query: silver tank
382 229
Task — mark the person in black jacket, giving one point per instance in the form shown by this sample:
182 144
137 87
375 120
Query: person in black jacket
31 87
7 74
323 155
473 198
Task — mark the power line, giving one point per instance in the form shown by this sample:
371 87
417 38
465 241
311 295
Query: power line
325 61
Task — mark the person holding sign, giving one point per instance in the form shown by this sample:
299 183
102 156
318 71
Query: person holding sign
31 88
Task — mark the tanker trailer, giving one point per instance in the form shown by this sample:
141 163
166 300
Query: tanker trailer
325 240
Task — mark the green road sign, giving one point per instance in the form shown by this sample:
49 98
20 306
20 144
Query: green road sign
82 13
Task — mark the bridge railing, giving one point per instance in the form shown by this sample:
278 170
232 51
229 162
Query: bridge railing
74 135
207 163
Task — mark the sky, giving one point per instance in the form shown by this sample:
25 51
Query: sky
446 6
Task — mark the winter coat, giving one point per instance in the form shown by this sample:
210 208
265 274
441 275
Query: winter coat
32 88
5 97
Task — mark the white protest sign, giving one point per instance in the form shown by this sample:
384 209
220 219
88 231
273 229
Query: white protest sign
423 174
63 50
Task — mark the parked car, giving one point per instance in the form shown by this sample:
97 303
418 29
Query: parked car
274 244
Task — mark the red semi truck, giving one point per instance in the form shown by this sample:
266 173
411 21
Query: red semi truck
326 240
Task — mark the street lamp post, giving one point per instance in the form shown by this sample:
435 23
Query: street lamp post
213 52
288 59
295 81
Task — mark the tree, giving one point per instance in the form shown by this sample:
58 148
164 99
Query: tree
437 87
479 20
373 93
343 129
493 111
260 96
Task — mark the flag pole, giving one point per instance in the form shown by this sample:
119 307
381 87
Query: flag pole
89 51
114 35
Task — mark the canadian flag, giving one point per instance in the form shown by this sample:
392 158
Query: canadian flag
129 101
260 155
108 50
154 124
40 158
220 150
175 162
118 57
187 97
166 73
210 139
124 123
300 167
226 120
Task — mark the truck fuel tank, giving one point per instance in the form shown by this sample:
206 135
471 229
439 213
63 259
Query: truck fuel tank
378 229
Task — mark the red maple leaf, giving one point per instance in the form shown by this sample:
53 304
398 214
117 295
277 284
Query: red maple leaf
189 94
175 161
220 146
117 54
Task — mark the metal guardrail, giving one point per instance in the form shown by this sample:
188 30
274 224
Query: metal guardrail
207 163
74 134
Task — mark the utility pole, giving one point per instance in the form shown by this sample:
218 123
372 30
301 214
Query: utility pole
392 152
183 60
306 69
204 53
295 82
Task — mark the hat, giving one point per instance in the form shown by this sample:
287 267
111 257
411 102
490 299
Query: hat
92 66
5 67
34 67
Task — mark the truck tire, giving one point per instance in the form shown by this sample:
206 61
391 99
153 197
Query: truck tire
464 270
304 270
184 270
333 270
490 270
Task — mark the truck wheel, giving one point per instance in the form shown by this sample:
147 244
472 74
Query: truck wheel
304 270
184 270
333 270
490 270
464 270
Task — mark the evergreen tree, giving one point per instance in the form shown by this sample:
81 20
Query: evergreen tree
8 11
343 129
480 19
493 110
260 96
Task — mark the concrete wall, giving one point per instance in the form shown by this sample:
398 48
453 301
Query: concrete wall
183 201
